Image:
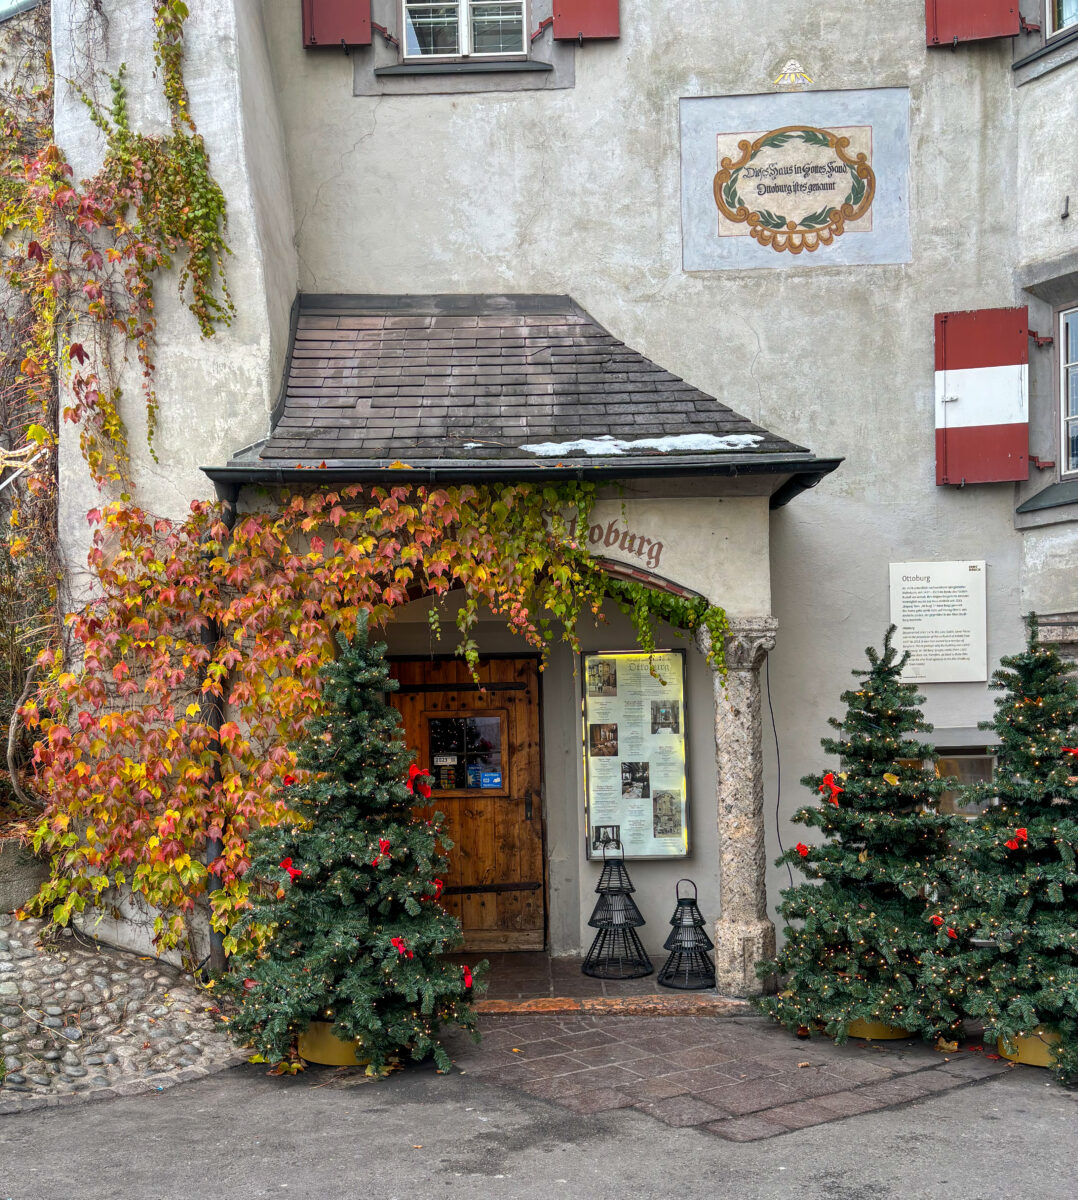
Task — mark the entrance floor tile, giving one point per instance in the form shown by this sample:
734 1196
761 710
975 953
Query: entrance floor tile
740 1078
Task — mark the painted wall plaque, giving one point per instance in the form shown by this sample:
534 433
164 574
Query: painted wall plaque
808 178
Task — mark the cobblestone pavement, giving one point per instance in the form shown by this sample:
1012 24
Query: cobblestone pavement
742 1078
80 1021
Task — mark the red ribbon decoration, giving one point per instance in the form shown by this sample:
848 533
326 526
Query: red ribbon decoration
937 920
467 976
1070 750
417 781
1012 844
829 782
951 933
293 872
438 885
1021 835
399 945
289 780
802 849
383 847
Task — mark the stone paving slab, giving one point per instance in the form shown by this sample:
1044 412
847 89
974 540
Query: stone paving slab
741 1078
80 1021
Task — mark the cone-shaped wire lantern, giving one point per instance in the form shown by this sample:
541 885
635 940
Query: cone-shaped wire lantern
689 967
616 952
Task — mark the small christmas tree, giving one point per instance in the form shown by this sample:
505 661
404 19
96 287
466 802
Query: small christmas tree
355 932
1013 878
854 952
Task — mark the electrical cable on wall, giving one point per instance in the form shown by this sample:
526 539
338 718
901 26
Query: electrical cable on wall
778 765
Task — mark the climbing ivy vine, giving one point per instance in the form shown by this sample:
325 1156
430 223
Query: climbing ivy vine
165 716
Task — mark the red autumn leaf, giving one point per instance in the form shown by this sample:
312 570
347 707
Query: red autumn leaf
250 984
77 353
289 780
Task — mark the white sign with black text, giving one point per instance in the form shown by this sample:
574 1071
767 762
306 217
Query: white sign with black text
939 609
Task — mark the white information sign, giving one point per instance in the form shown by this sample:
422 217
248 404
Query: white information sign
939 609
634 752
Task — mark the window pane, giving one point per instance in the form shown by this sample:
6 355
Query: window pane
967 769
431 29
1064 13
1070 407
1070 340
466 752
1072 445
497 29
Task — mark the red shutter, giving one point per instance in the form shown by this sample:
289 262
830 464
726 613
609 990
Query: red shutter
586 18
982 396
950 21
331 22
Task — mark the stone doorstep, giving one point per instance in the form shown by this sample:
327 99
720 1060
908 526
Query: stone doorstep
695 1005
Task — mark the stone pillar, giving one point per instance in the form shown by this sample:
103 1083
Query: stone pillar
743 933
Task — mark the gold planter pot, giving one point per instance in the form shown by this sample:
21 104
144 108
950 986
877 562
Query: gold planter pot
876 1030
1034 1049
319 1044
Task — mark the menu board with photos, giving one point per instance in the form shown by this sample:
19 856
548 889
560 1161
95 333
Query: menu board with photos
634 752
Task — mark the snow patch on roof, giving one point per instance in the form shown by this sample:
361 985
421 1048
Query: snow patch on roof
609 445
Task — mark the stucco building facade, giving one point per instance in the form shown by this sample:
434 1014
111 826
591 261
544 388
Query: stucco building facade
773 203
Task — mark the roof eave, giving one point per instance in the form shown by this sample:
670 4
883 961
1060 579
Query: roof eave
794 473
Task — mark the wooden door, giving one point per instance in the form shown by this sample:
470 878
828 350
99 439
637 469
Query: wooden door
481 745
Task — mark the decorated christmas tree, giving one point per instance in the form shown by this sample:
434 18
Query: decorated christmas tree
1013 878
855 931
350 888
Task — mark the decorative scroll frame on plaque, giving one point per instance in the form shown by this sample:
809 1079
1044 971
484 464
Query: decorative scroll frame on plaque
815 229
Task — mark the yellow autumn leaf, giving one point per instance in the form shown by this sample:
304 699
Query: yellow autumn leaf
863 856
399 466
193 710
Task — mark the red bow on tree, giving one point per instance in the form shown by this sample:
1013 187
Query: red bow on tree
293 872
399 945
1071 750
937 920
467 976
417 781
829 782
1022 835
802 849
383 847
289 780
438 885
951 933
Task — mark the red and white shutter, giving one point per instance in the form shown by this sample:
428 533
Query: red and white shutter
586 19
982 396
948 22
336 23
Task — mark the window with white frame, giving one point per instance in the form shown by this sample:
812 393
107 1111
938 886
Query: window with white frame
464 29
1062 14
1068 387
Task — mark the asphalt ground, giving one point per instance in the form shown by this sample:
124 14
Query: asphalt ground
332 1135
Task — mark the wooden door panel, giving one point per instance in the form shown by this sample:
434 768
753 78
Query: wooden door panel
496 880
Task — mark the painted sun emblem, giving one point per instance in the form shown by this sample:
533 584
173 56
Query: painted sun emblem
793 73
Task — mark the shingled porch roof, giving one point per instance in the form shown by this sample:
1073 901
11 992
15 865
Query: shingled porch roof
494 387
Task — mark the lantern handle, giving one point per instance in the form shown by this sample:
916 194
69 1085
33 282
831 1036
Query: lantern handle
619 846
677 889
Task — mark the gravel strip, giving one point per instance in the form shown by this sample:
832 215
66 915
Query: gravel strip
80 1021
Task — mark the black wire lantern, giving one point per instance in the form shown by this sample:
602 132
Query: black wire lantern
616 952
689 967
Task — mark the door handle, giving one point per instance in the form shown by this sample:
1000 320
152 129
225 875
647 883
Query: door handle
527 806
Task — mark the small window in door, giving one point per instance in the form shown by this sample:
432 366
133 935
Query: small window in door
467 752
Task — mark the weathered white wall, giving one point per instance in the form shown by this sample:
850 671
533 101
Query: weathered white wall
577 191
216 394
